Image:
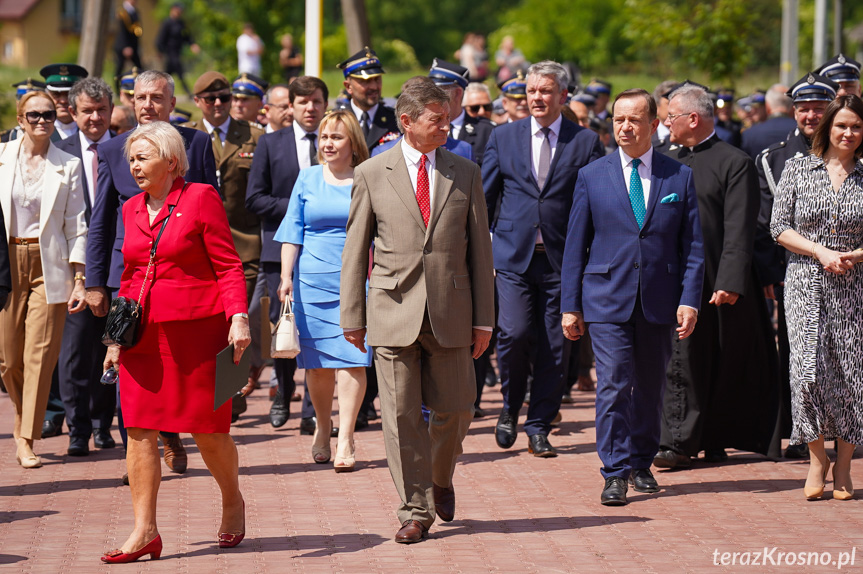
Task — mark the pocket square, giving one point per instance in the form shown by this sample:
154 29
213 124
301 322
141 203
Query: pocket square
670 198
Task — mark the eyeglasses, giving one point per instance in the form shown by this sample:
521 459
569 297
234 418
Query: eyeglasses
224 98
476 108
33 117
672 117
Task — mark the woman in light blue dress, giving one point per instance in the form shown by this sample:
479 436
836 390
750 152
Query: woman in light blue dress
313 237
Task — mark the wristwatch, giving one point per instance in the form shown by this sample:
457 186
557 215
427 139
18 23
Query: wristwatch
243 315
79 276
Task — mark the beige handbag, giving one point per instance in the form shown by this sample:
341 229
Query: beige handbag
286 339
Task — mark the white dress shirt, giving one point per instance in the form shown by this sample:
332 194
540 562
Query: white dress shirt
359 113
412 160
223 129
457 125
645 171
65 130
303 157
87 161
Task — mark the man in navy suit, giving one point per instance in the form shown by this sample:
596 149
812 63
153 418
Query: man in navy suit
632 268
154 101
279 157
530 167
89 405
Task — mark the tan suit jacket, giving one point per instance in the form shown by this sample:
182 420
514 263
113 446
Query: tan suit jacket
446 268
234 165
62 225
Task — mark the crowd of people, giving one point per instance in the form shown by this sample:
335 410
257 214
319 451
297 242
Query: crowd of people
702 253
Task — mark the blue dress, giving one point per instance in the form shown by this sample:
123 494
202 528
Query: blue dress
316 220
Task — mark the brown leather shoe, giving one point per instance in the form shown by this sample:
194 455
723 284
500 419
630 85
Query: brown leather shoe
444 502
410 532
175 455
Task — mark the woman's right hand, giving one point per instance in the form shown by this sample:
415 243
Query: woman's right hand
112 358
286 289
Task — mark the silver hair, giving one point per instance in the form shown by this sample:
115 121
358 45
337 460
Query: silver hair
694 99
662 89
154 76
477 87
417 93
165 139
777 99
553 69
94 88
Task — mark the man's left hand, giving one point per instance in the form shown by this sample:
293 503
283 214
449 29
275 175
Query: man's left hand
479 340
721 297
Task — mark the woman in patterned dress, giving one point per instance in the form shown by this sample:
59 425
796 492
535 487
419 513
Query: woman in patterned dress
818 216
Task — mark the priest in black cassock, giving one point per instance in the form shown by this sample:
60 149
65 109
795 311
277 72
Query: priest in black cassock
723 387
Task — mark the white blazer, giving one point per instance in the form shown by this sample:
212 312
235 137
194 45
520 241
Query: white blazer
62 226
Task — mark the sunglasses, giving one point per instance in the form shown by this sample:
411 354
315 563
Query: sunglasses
33 117
475 109
224 98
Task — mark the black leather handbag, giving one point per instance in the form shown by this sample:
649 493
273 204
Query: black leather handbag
123 323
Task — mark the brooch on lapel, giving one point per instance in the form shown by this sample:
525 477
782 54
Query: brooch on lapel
389 137
673 147
798 154
469 129
246 154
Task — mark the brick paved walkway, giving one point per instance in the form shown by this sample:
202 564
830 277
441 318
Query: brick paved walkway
514 513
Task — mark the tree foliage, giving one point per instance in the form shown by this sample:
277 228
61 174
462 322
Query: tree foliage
586 32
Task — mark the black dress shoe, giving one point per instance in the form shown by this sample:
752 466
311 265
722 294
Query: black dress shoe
78 446
538 445
504 432
308 425
371 413
642 481
715 455
238 407
280 411
102 438
478 413
50 429
671 459
614 492
797 451
444 502
362 421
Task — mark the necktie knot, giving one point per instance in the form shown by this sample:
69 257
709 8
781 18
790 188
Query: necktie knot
545 132
635 163
364 123
93 147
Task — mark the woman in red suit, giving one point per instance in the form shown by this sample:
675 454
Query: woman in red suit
194 302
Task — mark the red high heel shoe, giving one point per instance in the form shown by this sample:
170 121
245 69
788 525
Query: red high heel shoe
154 549
229 540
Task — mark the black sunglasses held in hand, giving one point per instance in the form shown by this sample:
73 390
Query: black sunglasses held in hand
33 117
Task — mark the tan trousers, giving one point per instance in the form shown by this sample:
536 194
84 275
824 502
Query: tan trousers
419 453
31 333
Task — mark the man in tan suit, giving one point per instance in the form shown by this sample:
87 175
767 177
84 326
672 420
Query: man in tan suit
430 299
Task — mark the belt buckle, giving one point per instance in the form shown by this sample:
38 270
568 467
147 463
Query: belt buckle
22 241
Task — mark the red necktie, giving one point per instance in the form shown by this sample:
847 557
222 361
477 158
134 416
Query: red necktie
423 190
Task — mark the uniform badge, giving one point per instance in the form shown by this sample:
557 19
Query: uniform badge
389 137
842 59
383 119
673 147
246 154
469 129
810 79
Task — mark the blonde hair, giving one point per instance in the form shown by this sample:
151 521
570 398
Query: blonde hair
165 139
359 150
29 96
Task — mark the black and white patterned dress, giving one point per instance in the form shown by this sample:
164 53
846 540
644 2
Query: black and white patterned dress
824 310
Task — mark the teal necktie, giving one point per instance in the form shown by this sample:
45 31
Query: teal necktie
636 194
